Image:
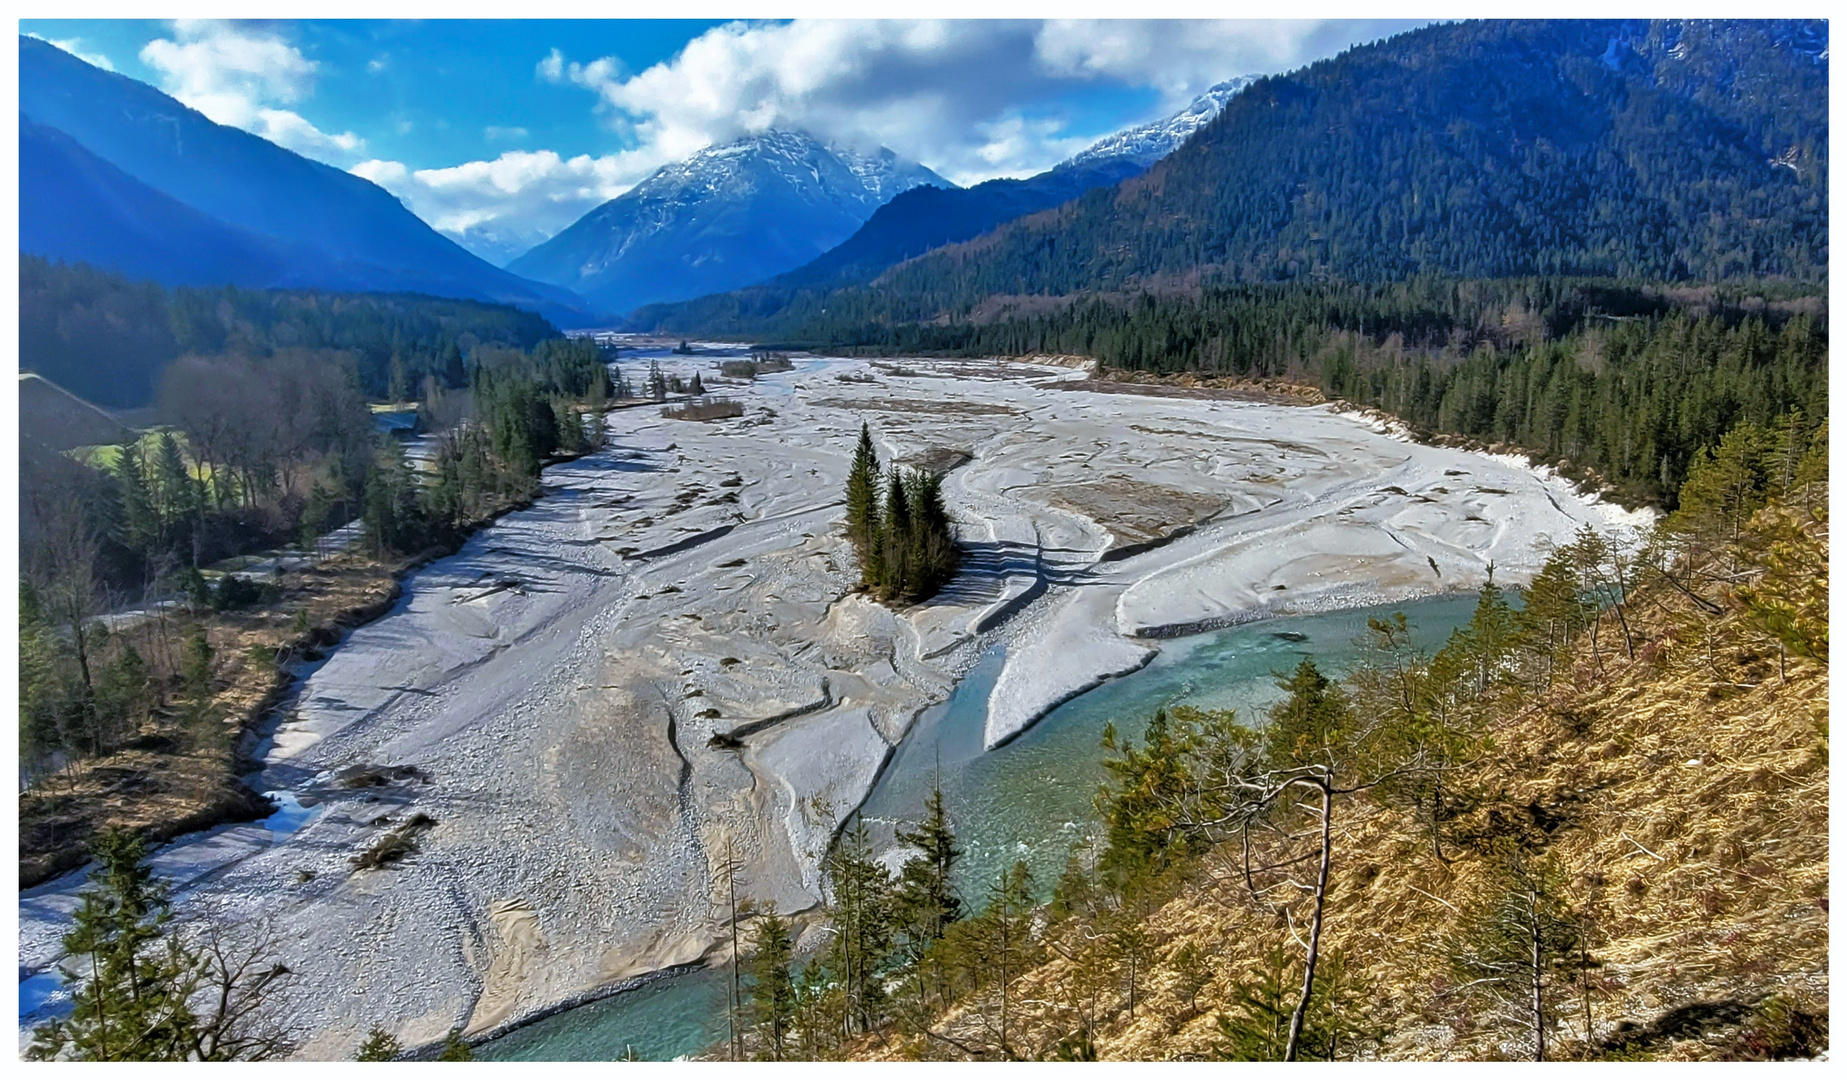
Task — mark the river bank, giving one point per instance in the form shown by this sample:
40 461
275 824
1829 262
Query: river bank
662 661
1029 801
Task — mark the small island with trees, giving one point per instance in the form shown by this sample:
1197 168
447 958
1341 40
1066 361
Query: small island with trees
898 527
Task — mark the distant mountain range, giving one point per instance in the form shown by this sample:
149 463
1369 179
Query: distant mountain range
1664 150
120 175
926 218
727 216
76 207
1656 151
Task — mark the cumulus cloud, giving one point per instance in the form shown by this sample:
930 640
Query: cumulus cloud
971 99
1180 58
74 46
243 77
500 208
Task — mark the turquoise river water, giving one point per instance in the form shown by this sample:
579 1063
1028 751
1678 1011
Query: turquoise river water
1030 799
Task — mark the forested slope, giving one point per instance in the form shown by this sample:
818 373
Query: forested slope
107 338
1667 151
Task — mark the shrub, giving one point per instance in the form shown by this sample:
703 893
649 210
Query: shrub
714 409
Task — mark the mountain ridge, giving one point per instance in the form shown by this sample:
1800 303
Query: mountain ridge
924 219
1472 149
1658 151
333 230
729 215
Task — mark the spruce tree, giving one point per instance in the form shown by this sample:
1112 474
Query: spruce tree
863 503
926 888
180 495
140 517
1002 947
380 1045
772 989
860 904
130 1002
456 1048
926 899
454 374
41 686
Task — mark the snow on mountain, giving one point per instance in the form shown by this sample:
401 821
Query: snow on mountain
727 216
1153 141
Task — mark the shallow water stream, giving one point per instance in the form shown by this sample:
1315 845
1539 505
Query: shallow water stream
1030 799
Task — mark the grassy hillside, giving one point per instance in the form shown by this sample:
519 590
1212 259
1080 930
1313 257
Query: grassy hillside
1661 783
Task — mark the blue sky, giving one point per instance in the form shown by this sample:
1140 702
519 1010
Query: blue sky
500 133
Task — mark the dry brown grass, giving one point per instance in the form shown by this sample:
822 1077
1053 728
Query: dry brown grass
707 409
179 774
396 845
1685 795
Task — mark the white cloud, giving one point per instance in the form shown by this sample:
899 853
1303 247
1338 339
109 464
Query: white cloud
971 99
240 77
1181 58
494 132
500 208
74 46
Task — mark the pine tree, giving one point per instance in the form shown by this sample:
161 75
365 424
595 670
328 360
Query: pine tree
456 1048
1263 1005
1490 633
1516 937
1257 1027
1722 490
863 501
772 989
131 1004
380 1045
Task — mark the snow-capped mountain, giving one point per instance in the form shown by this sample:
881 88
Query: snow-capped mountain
727 216
921 220
1153 141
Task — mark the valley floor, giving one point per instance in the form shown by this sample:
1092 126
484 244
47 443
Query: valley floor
663 663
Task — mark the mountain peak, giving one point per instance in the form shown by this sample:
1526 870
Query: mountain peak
1150 142
870 177
732 214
